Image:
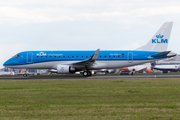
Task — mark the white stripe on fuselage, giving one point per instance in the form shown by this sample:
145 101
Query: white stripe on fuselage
53 64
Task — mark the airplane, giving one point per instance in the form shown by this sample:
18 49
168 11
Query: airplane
65 62
165 67
7 73
137 68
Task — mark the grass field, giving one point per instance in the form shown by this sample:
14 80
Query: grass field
109 74
122 98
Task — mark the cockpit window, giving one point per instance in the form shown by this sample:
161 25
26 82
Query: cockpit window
16 56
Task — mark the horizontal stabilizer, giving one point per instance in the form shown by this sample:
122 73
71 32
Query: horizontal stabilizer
161 54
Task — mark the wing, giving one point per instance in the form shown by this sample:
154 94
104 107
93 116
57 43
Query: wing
89 61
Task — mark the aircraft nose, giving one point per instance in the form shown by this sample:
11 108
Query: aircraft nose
7 63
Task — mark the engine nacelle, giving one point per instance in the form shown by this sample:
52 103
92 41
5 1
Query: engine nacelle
65 69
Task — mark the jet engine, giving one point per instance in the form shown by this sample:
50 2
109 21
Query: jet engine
65 69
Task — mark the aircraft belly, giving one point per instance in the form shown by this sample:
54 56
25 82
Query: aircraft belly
121 64
101 64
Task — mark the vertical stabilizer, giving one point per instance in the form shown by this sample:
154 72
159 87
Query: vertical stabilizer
153 64
159 42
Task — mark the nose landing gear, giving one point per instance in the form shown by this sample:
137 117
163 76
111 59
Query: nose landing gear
87 73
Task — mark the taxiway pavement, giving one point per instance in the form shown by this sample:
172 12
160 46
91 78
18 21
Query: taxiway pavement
93 77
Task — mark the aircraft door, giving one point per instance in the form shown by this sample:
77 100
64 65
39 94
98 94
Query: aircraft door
130 57
29 57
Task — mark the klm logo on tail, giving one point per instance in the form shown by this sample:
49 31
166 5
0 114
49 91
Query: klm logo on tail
159 39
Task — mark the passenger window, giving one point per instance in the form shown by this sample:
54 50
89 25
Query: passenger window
68 56
118 56
76 56
72 56
59 56
122 55
82 56
114 55
55 56
63 56
109 56
100 55
105 56
50 56
46 56
41 56
37 56
86 56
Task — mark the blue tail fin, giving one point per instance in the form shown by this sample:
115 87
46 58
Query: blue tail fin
153 63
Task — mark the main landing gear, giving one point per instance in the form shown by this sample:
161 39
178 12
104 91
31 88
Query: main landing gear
24 75
87 73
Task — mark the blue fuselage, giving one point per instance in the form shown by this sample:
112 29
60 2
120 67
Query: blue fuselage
50 59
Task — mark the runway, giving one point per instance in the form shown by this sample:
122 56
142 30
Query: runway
93 77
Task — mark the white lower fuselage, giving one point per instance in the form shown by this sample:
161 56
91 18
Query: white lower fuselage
97 65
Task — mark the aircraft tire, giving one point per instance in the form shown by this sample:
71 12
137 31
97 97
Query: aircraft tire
24 75
89 73
85 73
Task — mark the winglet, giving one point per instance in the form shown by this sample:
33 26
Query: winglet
95 55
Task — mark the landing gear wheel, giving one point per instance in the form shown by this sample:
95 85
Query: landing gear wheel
87 73
24 75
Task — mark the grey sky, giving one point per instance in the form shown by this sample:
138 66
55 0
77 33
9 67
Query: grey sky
83 24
